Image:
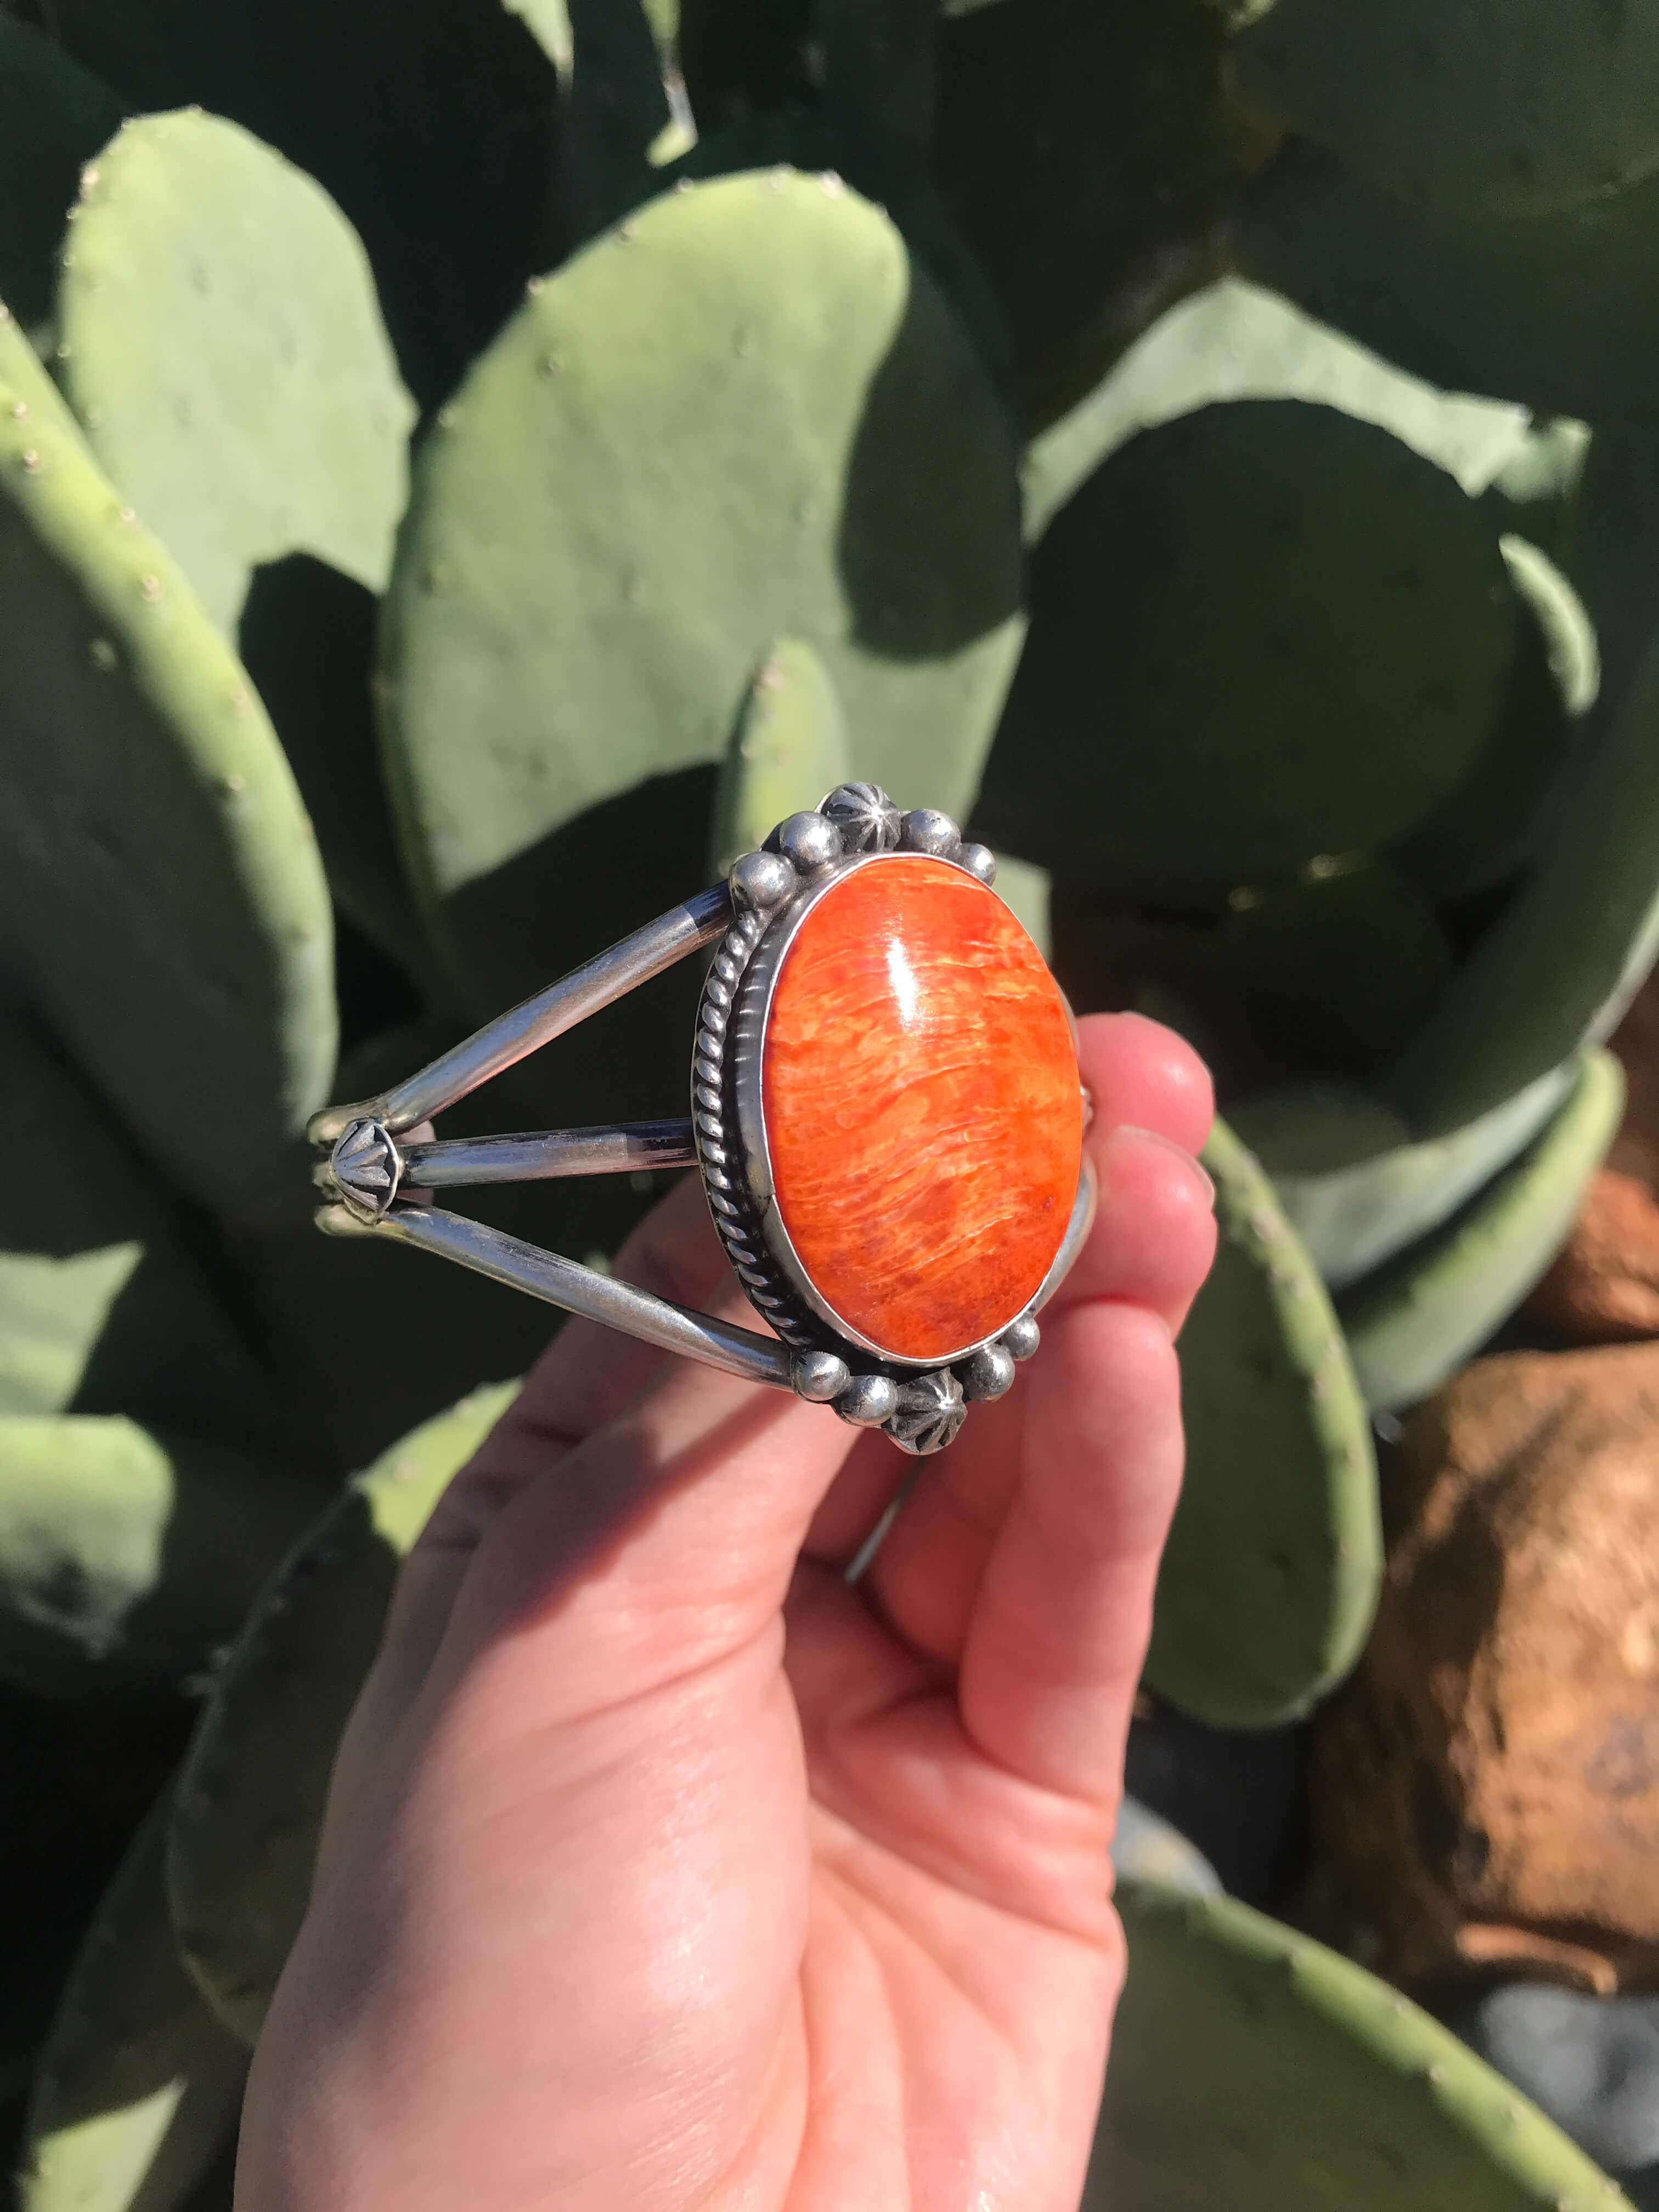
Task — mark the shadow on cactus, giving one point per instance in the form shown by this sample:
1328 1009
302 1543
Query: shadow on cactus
552 581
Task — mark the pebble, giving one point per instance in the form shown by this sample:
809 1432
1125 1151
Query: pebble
1592 2064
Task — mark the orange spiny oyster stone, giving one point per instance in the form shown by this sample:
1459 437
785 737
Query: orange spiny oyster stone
922 1110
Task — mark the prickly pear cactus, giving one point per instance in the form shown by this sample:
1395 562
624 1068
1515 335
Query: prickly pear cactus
790 748
1225 2009
1492 108
557 576
1557 310
138 2089
1341 964
219 339
105 1308
1144 764
1235 340
162 897
1272 1570
766 351
128 1557
435 124
1416 1320
1569 635
1560 964
54 116
1085 151
1354 1184
250 1800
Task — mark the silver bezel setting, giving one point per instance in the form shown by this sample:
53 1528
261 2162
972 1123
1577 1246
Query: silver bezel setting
728 1116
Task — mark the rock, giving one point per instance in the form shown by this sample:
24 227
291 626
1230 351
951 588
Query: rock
1592 2064
1604 1286
1636 1041
1486 1786
1239 1795
1145 1848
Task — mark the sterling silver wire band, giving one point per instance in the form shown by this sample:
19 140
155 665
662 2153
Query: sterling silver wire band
380 1185
501 1044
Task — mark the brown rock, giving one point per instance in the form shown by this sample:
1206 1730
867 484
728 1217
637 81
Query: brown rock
1636 1148
1486 1787
1604 1284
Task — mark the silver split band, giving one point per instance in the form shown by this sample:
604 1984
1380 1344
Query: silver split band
379 1183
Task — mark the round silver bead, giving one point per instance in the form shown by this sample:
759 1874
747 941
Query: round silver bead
925 830
1021 1338
867 817
819 1376
979 860
808 843
760 880
989 1373
868 1400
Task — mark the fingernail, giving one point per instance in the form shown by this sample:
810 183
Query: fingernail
1194 1168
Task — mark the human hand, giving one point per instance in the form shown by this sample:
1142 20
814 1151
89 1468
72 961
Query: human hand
664 1869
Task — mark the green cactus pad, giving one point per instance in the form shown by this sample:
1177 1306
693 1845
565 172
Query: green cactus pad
615 112
824 139
219 342
1235 340
1335 969
137 2087
307 639
1562 312
432 123
1538 484
1255 2070
366 1339
1028 890
1511 107
1261 634
249 1799
1563 620
126 1557
1607 539
1085 151
1270 1571
54 116
1355 1186
1493 824
1417 1319
1559 966
790 748
104 1308
743 414
162 898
